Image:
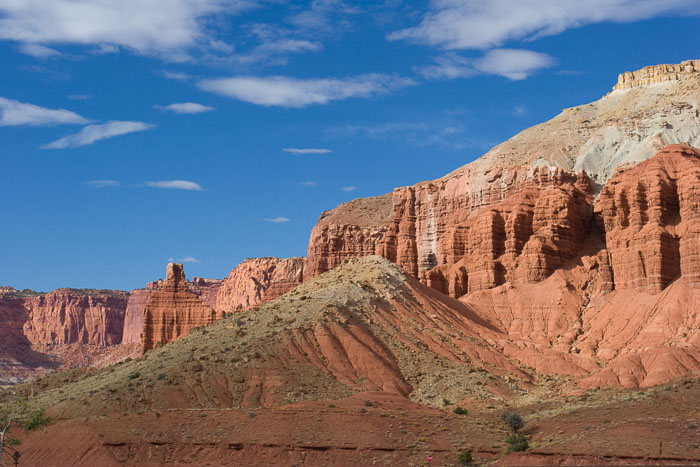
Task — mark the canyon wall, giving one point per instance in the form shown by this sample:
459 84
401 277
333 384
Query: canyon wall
67 316
172 310
257 280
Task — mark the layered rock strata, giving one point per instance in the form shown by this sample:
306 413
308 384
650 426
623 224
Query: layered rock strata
257 280
67 316
651 218
172 310
524 209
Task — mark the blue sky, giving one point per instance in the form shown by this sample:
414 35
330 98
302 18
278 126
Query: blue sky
135 131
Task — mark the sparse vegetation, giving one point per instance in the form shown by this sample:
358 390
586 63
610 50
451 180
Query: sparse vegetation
368 403
446 402
465 458
513 420
134 375
21 412
461 411
517 442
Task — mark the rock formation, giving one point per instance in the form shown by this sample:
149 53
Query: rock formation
172 310
524 208
67 316
656 74
651 218
258 280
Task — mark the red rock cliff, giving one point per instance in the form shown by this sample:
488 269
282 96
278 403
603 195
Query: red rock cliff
257 280
651 217
173 310
67 316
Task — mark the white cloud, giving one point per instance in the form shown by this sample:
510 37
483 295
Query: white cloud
307 184
38 50
164 27
307 150
290 92
175 185
349 188
176 75
103 183
93 133
14 113
277 220
480 24
520 110
514 64
185 108
270 51
186 259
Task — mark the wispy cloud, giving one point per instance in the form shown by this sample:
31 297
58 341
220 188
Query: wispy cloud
307 184
80 97
38 51
176 75
174 185
514 64
282 91
307 150
278 220
349 188
520 110
440 131
481 24
185 108
186 259
93 133
15 113
103 183
274 51
168 28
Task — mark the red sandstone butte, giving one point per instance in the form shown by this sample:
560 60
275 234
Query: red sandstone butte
257 280
172 310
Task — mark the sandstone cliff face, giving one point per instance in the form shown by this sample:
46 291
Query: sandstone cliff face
656 74
172 310
651 218
133 317
207 289
258 280
67 316
524 208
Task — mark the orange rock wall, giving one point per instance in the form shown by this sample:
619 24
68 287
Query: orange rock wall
172 310
257 280
651 218
67 316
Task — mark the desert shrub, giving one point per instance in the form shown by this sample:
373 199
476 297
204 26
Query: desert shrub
368 403
446 402
513 420
135 375
461 411
465 458
517 442
161 376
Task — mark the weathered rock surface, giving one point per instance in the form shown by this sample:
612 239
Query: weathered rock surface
257 280
172 310
133 317
522 206
656 74
37 328
651 218
67 316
